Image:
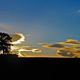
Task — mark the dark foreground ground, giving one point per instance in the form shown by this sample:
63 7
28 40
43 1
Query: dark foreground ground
14 63
12 59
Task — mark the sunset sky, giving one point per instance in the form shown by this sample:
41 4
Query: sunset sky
44 21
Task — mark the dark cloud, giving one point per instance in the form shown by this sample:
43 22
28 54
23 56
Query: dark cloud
65 53
54 46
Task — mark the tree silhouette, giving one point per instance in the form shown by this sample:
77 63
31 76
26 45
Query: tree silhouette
5 45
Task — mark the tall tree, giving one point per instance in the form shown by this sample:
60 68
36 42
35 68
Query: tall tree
5 45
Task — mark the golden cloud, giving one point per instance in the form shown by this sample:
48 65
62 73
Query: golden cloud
25 49
17 38
69 48
70 42
36 50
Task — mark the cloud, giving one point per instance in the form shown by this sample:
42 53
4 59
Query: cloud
78 11
25 49
18 38
20 55
43 43
28 50
64 52
68 48
70 42
53 46
36 50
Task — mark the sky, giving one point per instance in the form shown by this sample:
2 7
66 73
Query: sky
46 21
